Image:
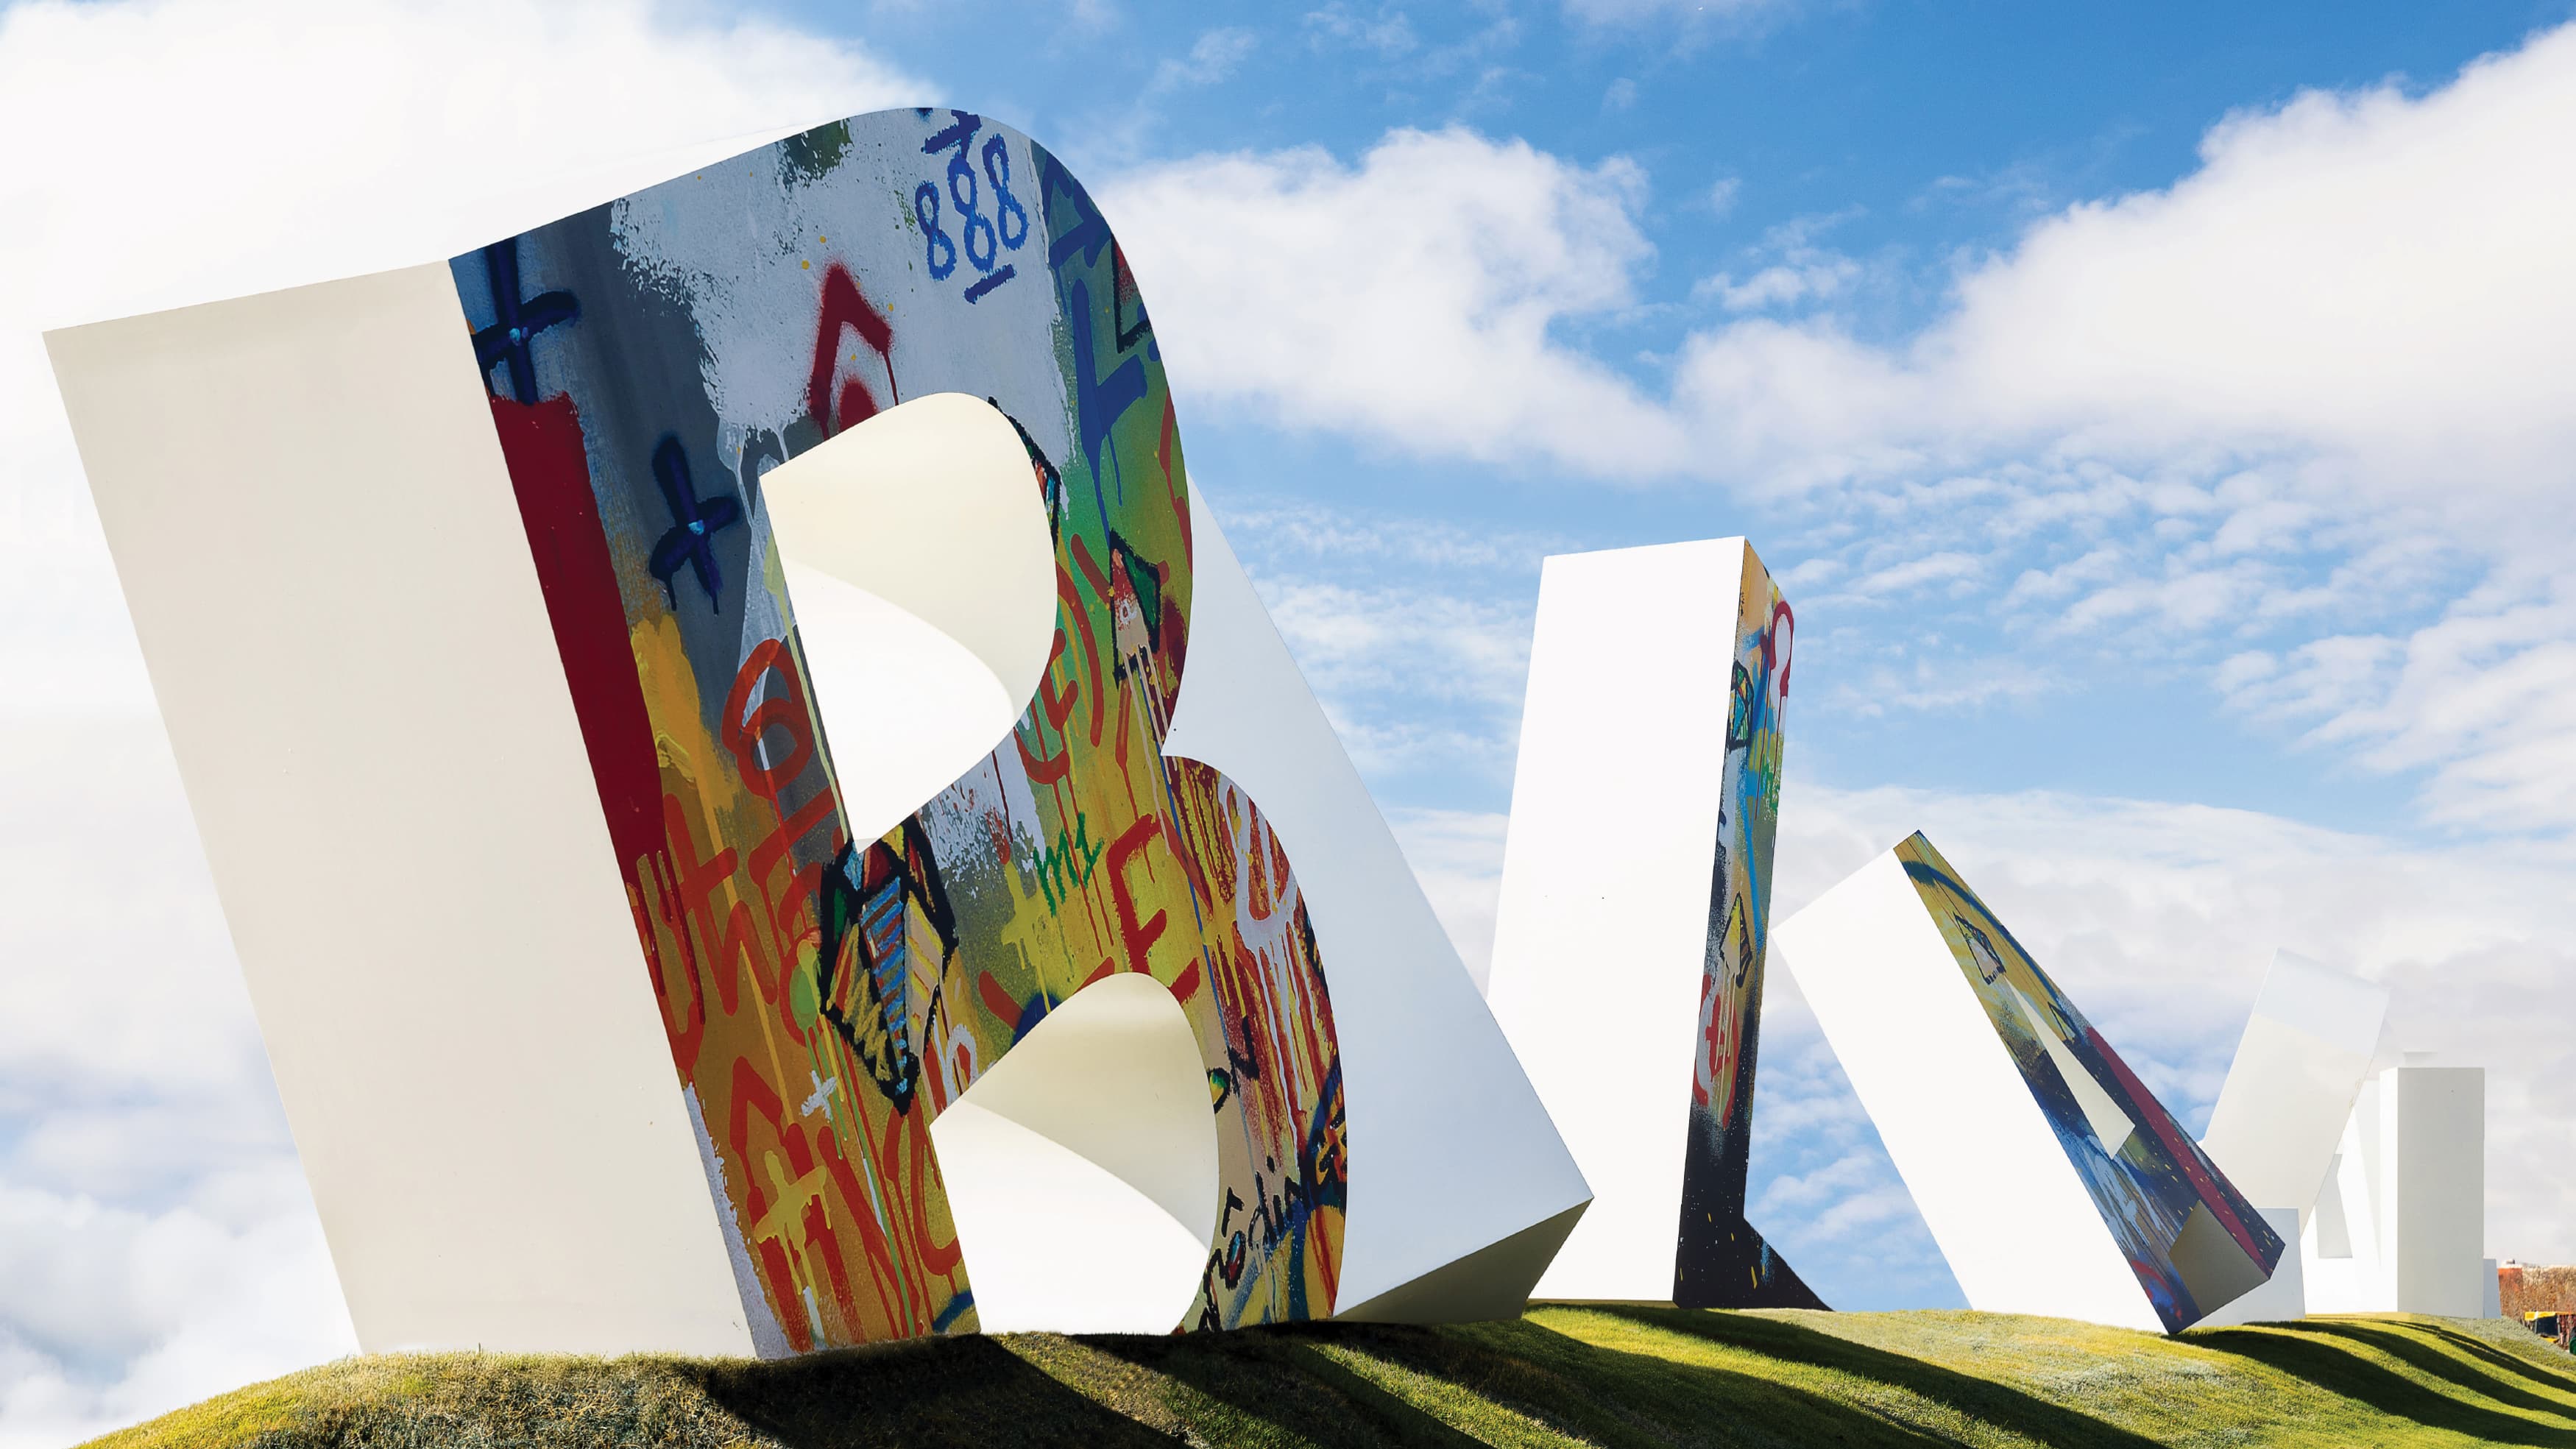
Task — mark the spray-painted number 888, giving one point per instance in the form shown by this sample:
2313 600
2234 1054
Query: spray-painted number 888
984 237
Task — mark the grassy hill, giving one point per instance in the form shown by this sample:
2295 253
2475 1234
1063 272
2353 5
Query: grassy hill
1606 1376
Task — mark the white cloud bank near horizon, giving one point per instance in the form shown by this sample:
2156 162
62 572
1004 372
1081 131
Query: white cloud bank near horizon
2333 337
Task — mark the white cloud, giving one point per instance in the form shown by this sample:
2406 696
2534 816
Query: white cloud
1412 677
1388 33
1691 13
1427 644
111 1314
156 1240
1804 274
1923 682
1781 285
2486 694
2369 274
1284 281
2368 280
1212 58
1311 532
157 1243
1944 567
1458 857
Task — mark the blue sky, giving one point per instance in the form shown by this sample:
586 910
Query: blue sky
2156 413
1902 136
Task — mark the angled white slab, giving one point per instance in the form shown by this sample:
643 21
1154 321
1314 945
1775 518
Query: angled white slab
2300 1064
2052 1180
331 590
2015 1225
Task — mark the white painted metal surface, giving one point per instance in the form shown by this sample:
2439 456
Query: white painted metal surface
2016 1224
324 560
2298 1068
1099 1118
1601 933
1451 1150
2400 1226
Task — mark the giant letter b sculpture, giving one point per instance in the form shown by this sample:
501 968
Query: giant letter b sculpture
560 647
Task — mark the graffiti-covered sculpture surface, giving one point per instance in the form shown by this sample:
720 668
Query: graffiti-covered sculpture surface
2052 1179
784 953
1635 908
616 395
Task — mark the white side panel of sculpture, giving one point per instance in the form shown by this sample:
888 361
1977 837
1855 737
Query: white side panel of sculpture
2054 1182
2400 1226
1475 1190
2339 1256
611 1001
470 1192
2433 1140
1635 903
2300 1064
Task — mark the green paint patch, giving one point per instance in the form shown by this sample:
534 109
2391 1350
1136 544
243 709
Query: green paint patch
1564 1375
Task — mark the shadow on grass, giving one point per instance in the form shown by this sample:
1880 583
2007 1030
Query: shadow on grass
2560 1378
1619 1397
1306 1379
1277 1382
2316 1352
1984 1400
2406 1345
961 1391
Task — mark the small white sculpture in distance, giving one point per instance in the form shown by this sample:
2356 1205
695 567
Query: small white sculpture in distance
2281 1113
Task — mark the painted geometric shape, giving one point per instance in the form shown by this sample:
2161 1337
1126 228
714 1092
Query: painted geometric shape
2054 1182
527 778
1633 924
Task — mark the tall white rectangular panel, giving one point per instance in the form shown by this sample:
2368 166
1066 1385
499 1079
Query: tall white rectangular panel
2433 1129
2400 1225
1632 925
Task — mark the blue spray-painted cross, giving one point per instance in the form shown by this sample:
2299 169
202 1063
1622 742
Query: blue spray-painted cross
519 320
694 522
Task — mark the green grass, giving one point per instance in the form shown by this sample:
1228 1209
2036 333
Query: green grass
1563 1375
